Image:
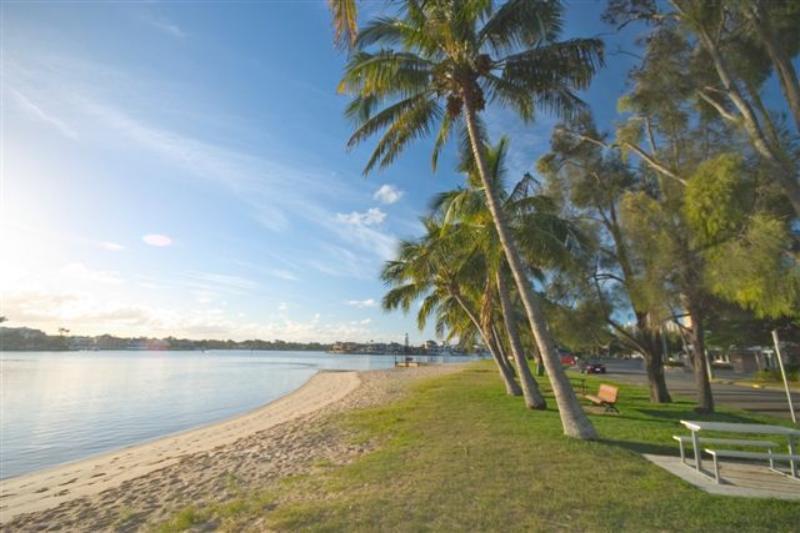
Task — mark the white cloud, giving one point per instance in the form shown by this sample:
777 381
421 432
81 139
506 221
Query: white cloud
81 273
213 282
156 239
36 111
111 246
370 217
388 194
281 273
166 26
369 302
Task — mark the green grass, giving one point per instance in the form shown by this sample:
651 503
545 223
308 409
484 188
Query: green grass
458 454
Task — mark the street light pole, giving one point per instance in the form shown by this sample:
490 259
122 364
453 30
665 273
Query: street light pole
783 373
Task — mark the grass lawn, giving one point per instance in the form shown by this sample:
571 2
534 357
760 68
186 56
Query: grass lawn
458 454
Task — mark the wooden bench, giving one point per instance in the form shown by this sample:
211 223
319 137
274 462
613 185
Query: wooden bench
686 439
736 454
606 396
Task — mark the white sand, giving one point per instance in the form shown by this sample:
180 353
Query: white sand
49 488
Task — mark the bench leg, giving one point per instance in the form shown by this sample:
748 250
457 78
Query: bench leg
698 461
683 453
610 408
716 468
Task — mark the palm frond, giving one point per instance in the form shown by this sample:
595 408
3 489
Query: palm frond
385 118
414 122
345 22
520 23
402 297
567 64
441 139
384 73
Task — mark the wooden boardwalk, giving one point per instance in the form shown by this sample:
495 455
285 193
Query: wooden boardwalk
750 480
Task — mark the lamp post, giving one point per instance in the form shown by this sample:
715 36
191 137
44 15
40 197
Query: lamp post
783 374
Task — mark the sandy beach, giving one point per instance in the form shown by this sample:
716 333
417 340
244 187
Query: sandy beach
142 484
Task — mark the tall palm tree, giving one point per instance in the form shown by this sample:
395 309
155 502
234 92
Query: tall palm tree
424 269
463 211
468 54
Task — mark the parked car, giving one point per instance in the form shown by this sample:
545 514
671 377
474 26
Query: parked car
592 367
568 360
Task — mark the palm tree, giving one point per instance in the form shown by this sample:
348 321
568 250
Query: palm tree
424 268
464 211
468 54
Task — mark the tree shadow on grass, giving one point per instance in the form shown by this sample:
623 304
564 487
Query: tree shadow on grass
690 414
642 447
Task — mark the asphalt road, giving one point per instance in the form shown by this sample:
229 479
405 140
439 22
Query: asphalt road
680 383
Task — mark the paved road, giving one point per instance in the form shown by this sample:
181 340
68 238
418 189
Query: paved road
680 383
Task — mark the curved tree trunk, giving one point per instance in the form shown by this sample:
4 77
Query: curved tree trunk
506 372
501 349
530 389
539 362
512 387
573 419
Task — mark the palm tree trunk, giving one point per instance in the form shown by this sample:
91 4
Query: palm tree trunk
512 387
573 420
530 389
506 372
501 349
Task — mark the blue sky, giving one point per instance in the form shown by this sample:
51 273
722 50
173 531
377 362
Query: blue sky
180 169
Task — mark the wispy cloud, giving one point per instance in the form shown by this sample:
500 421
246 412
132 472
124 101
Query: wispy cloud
111 246
165 26
277 196
213 281
80 272
369 302
36 111
370 217
158 240
388 194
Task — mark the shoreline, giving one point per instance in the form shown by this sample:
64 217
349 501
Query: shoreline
52 486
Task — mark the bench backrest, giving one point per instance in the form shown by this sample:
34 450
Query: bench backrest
608 393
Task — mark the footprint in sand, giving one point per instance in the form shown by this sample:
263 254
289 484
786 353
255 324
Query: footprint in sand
43 489
71 481
100 474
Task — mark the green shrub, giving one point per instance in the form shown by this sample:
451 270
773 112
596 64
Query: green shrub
774 375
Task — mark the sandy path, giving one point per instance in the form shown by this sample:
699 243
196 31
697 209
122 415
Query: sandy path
52 487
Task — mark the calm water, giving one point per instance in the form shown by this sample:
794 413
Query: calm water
57 407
